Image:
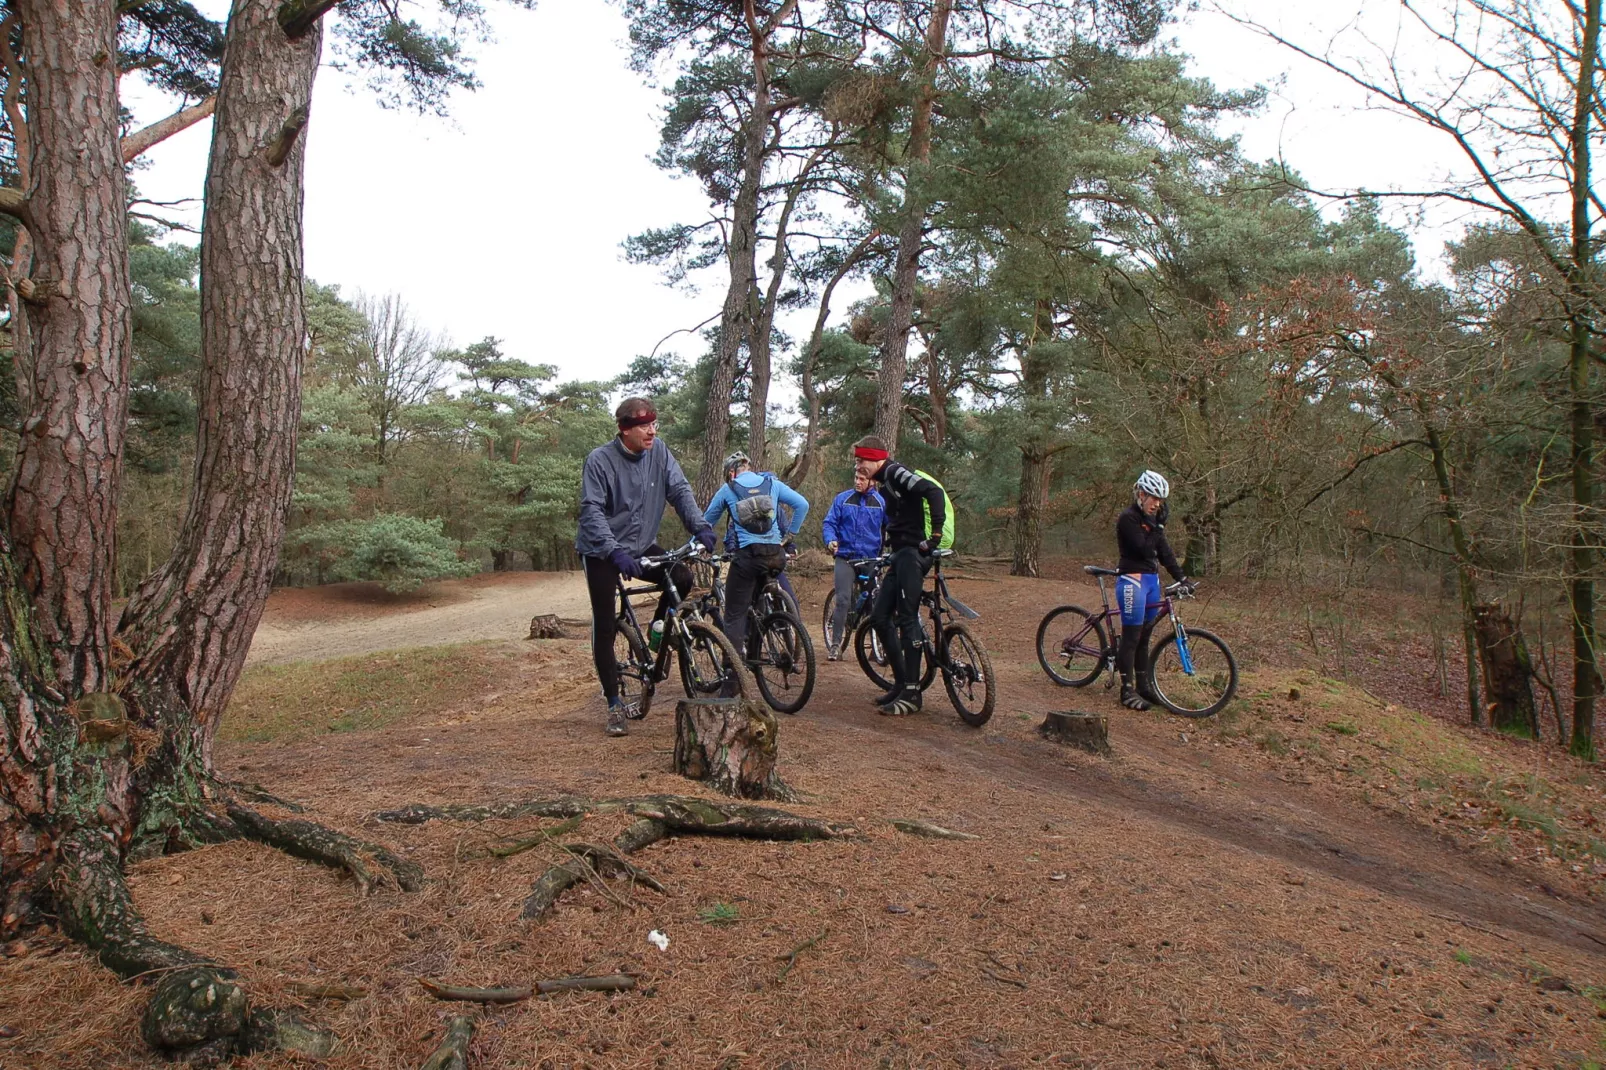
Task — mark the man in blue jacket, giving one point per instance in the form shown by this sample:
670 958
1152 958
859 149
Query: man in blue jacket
853 528
623 490
753 504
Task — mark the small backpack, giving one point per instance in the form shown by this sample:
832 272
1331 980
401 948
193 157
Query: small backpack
754 511
947 540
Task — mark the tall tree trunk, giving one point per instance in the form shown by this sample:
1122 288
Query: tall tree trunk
1507 672
61 509
191 623
736 317
1586 675
1466 580
1035 448
764 318
911 232
811 352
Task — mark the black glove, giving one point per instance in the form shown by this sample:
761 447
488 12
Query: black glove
789 548
706 537
1187 586
626 564
924 546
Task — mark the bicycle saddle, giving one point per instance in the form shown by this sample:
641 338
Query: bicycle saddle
1095 570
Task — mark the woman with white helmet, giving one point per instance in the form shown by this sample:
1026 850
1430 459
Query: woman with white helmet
1140 535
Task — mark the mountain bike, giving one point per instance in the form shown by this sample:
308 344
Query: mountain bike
708 662
866 582
1190 671
967 671
779 652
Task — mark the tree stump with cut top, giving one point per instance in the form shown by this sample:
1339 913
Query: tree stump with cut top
1089 731
731 745
547 626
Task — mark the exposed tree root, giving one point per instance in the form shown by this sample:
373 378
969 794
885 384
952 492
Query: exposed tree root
613 982
198 1011
930 831
660 816
684 813
418 814
368 863
509 846
258 794
453 1051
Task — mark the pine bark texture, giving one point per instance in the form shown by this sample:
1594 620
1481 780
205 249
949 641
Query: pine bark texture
730 745
911 234
191 623
61 509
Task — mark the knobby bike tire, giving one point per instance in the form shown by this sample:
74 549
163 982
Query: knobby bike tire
1076 623
1213 684
866 645
825 616
873 659
634 660
783 662
709 647
965 669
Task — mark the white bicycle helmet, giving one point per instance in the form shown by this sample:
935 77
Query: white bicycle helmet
735 459
1153 483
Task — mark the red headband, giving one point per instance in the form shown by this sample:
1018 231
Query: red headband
638 420
868 453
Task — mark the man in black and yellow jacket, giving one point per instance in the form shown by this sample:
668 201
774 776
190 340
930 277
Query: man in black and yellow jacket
910 499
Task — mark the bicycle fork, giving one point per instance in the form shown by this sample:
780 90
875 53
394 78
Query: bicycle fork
1184 655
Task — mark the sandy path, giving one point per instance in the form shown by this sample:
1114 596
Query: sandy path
336 621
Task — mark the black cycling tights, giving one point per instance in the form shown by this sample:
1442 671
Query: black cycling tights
1133 638
896 614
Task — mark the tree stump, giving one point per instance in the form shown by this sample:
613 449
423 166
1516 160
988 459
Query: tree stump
730 744
1089 731
547 626
1507 672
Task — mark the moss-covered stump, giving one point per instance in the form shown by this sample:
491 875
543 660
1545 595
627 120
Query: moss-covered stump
731 745
1089 731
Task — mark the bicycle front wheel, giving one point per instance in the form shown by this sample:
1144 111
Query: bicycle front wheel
1192 674
634 661
872 658
967 673
782 660
709 665
1071 645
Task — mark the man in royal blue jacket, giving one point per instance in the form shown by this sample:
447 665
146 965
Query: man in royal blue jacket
853 528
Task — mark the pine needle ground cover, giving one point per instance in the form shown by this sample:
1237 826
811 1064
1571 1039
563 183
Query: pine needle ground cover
1330 880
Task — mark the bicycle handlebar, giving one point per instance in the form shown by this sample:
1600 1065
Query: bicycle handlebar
1182 589
691 549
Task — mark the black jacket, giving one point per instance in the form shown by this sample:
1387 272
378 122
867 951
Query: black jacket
907 494
1141 540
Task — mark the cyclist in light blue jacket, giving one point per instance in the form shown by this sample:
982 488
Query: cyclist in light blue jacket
752 503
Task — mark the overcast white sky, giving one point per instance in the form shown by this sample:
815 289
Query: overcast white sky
506 218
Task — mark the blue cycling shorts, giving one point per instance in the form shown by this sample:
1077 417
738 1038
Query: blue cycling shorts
1138 597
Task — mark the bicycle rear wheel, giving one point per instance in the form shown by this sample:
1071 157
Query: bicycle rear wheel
709 663
967 673
1071 646
825 618
1194 674
781 655
872 658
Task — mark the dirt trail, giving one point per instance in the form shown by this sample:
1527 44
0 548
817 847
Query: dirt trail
359 618
1158 779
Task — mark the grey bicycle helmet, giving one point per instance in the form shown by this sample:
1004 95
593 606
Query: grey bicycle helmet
734 459
1153 483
